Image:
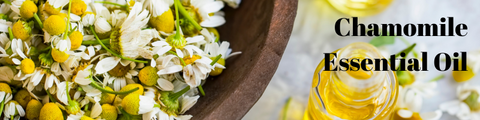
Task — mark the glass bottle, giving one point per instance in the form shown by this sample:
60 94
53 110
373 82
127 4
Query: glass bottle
360 8
352 95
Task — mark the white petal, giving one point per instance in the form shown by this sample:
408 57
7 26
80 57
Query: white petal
405 113
179 53
20 110
146 104
187 103
431 115
164 50
452 107
165 85
96 110
170 70
214 21
153 63
106 65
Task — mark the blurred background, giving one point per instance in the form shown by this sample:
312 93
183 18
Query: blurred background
314 34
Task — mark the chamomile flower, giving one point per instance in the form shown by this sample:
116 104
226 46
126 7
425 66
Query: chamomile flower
466 106
196 69
55 25
136 104
83 74
203 10
409 104
214 49
232 3
53 7
50 111
78 7
473 67
60 52
162 17
127 40
149 77
109 112
5 93
117 71
32 111
12 109
27 9
22 30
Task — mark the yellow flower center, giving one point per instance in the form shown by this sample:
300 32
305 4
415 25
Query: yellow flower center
148 76
130 87
50 9
4 87
33 109
78 7
217 71
189 60
164 22
109 112
131 103
21 30
86 118
55 25
76 38
27 9
107 98
27 66
22 97
119 70
462 76
50 111
59 56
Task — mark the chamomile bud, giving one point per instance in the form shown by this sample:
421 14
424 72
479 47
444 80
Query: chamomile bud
109 112
130 87
148 76
4 87
78 7
217 71
12 108
21 30
33 109
27 66
76 39
107 98
171 105
187 26
22 97
50 111
175 42
164 22
55 25
27 9
136 104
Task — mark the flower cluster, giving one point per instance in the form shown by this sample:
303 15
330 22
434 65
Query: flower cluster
113 59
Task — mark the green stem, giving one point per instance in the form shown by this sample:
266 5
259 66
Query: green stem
437 78
68 19
415 54
7 2
85 108
186 15
95 85
112 3
200 88
72 30
11 117
406 50
94 42
157 105
177 95
50 96
178 34
68 94
1 105
110 51
38 20
181 59
10 33
216 59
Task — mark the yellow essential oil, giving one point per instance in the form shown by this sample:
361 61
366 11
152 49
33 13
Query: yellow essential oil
352 95
360 7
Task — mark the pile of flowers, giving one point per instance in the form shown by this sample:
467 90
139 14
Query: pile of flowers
114 59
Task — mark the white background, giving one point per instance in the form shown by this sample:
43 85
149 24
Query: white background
314 34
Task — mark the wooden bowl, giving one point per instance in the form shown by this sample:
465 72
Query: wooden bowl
260 29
